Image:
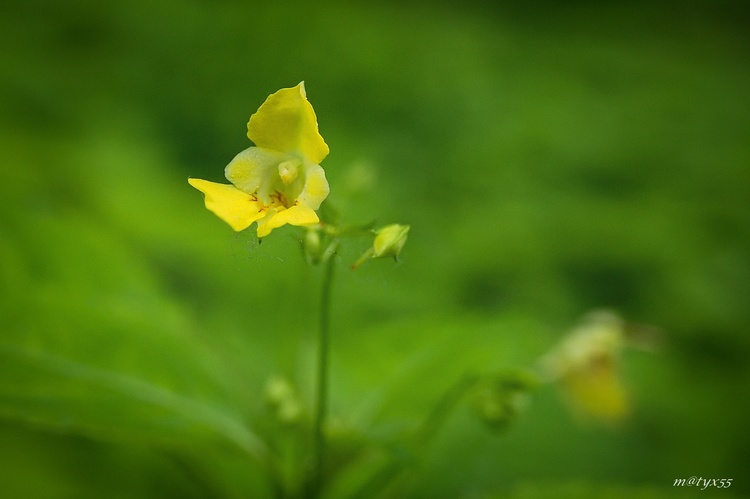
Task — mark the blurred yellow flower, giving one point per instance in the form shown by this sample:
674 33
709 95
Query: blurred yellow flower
279 181
586 363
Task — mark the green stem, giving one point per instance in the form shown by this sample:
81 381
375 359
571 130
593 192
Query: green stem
321 389
408 454
440 412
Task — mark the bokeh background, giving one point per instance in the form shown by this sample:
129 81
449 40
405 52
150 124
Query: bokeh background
551 158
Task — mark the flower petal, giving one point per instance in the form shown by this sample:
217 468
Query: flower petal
235 207
601 394
296 215
316 187
286 122
254 170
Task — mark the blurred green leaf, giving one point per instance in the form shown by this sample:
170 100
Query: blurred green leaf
48 390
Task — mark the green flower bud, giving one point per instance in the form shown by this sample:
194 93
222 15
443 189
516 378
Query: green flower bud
390 240
283 401
311 246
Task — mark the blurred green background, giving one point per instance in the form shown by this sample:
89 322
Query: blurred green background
551 158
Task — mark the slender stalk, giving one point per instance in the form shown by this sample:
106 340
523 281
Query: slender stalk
440 412
321 389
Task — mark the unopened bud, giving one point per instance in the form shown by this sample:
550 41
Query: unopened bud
311 246
390 240
282 400
498 400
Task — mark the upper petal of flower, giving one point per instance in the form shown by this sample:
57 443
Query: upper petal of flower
237 208
286 122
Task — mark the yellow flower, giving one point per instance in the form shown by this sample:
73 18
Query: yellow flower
279 181
587 365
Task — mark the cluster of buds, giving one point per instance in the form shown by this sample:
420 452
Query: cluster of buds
321 241
283 401
498 399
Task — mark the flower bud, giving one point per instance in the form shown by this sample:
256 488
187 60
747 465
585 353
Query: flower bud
390 240
282 400
311 245
497 400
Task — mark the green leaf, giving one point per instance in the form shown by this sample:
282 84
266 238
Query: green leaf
53 391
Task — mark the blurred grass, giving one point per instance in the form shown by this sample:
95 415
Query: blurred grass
550 159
